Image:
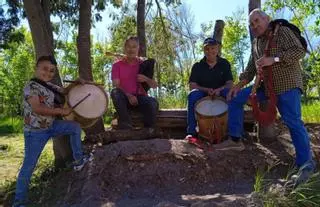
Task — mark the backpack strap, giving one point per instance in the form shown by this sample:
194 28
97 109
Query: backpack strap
292 27
59 98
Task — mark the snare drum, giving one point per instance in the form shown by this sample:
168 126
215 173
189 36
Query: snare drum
91 109
212 118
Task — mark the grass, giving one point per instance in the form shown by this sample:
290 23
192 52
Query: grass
11 157
178 100
10 125
310 112
305 195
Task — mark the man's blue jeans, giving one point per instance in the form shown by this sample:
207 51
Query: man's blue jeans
193 97
34 144
289 107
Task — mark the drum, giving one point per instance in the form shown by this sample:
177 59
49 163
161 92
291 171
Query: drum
212 118
92 103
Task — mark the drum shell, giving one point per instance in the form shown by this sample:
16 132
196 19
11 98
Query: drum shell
84 122
74 116
206 123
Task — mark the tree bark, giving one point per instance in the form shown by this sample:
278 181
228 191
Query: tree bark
253 4
83 40
38 15
218 32
141 31
84 53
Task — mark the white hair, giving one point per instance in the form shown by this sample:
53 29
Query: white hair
260 12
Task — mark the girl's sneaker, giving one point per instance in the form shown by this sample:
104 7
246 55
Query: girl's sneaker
79 164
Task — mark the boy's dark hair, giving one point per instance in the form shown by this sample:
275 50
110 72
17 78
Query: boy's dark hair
134 38
49 58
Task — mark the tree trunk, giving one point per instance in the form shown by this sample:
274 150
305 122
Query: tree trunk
38 16
84 53
141 28
83 40
218 31
253 4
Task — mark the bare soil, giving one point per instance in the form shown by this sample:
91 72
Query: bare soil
172 173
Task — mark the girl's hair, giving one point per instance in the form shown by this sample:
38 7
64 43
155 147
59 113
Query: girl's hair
133 38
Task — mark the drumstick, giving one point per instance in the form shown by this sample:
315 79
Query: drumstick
69 81
79 102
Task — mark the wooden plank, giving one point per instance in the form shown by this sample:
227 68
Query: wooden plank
175 118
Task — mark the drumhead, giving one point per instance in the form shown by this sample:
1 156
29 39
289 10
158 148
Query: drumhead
211 107
92 107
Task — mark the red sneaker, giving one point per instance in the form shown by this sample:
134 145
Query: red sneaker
191 139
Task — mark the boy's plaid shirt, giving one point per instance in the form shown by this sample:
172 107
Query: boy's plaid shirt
287 73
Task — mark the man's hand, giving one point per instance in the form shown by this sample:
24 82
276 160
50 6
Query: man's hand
235 89
142 78
233 92
210 91
215 92
80 81
64 111
132 99
264 61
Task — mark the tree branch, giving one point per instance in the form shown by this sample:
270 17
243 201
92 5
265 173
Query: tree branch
161 19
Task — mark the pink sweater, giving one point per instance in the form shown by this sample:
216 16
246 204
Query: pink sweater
127 74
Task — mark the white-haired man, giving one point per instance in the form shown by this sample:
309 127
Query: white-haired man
284 59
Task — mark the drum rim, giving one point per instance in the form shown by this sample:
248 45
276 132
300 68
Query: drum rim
101 88
210 98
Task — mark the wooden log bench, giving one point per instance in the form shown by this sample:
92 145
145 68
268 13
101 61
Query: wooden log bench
173 122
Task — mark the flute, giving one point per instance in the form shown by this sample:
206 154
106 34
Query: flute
117 55
120 55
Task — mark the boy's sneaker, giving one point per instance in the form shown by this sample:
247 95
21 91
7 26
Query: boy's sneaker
79 164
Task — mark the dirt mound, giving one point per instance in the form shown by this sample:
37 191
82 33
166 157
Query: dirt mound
170 173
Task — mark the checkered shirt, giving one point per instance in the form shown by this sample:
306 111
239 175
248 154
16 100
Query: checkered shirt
287 73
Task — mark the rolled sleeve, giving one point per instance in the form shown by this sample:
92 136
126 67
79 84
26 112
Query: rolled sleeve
30 90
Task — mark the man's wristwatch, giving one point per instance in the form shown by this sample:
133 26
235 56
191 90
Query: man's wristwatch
276 59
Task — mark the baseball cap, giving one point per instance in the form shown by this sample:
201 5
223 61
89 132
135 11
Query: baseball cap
210 41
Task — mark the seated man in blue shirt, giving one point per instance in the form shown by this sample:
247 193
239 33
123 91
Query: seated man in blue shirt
208 77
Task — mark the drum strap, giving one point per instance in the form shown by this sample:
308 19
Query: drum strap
59 98
268 116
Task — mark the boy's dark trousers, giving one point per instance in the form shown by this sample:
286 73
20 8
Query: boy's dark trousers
147 105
